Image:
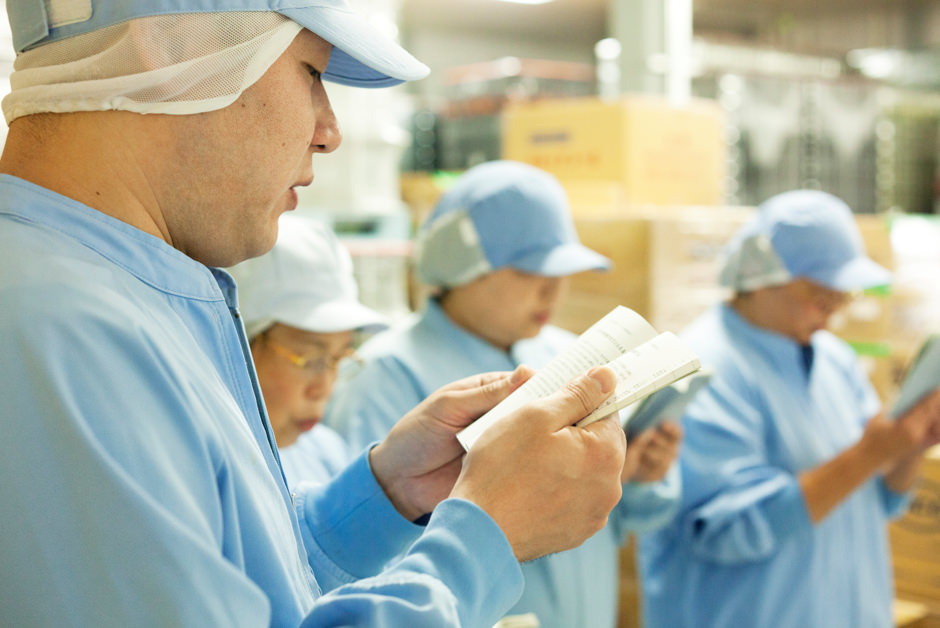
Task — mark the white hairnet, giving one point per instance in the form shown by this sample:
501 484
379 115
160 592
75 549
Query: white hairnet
171 64
753 264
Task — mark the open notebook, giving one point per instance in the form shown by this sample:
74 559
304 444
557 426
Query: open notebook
665 404
643 360
922 377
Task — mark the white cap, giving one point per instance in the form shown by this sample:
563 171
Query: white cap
306 281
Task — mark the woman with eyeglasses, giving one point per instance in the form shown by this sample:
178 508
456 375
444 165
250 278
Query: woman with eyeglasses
300 309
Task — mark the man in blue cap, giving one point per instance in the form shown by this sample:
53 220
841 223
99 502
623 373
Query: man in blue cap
498 249
790 471
151 143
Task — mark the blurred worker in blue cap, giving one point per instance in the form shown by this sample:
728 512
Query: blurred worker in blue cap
151 143
498 248
299 303
790 471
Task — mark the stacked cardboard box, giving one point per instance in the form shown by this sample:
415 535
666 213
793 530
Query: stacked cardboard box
640 148
665 265
915 540
686 261
915 312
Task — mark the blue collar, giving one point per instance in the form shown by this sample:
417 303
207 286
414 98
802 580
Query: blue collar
148 258
779 349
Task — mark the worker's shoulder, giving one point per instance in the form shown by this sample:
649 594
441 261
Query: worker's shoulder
49 280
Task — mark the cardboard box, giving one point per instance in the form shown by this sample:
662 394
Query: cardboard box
686 259
909 614
599 199
915 540
591 295
658 153
876 234
665 266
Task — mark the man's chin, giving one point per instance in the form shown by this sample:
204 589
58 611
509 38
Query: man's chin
260 243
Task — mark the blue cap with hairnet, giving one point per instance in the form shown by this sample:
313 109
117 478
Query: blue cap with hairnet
502 214
362 55
801 234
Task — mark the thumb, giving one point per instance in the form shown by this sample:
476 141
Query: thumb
580 396
477 394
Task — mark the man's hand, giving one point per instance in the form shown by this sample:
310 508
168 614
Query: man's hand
547 484
651 453
893 447
419 461
909 435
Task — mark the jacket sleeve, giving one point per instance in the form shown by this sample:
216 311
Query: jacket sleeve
867 399
737 507
460 572
111 487
647 506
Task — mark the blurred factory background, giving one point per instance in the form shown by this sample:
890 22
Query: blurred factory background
667 121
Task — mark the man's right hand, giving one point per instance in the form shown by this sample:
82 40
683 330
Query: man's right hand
905 440
547 484
893 447
911 434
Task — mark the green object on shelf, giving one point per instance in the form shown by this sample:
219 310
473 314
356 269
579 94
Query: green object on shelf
871 349
443 179
878 291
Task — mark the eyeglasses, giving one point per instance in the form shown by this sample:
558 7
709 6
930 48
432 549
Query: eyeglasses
314 365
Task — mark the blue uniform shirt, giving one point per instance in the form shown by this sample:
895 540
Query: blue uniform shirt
742 551
402 366
139 482
317 456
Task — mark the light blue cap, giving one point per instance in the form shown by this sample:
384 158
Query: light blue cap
801 234
362 56
502 214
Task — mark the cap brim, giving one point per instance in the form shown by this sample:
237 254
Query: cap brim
362 56
859 274
333 317
566 259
